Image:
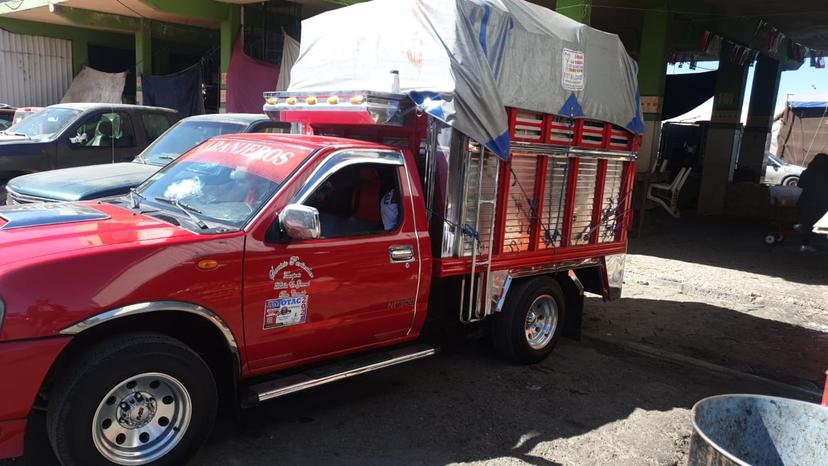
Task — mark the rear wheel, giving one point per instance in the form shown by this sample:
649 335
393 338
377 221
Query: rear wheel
531 322
140 399
791 181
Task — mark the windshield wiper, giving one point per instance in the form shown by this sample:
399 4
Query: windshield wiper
135 198
13 133
186 209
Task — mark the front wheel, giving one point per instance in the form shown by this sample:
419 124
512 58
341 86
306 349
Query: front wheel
531 322
140 399
791 181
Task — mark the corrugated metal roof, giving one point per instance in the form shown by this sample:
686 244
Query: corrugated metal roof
34 70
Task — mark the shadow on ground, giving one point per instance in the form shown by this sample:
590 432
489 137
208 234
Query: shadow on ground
733 246
737 340
587 404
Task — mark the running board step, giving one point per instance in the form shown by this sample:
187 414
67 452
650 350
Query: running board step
338 370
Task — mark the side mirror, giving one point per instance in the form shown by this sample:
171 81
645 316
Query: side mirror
300 222
78 139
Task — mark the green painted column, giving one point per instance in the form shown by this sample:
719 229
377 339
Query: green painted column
579 10
143 56
230 29
652 75
80 54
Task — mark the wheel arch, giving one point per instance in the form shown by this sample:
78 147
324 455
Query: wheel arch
573 291
199 328
787 178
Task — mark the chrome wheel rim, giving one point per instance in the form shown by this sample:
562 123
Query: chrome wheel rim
541 322
141 419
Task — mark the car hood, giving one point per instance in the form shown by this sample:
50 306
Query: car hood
36 230
83 183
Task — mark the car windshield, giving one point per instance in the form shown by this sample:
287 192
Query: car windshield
224 181
776 159
45 124
182 137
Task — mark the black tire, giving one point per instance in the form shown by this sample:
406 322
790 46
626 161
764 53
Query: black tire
790 181
82 385
509 326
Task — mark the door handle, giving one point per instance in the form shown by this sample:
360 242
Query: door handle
400 254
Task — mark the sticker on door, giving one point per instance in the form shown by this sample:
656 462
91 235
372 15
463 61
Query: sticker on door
285 311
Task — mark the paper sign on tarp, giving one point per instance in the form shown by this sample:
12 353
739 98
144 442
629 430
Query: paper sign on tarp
91 85
464 61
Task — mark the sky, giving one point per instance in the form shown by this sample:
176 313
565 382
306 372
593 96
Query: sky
806 83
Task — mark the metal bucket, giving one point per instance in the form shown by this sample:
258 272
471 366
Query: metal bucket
759 431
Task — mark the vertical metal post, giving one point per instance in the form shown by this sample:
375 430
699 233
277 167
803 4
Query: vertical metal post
569 208
540 194
598 201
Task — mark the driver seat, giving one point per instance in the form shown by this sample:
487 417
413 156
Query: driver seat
103 134
366 196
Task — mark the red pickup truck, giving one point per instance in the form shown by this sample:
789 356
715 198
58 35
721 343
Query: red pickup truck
127 319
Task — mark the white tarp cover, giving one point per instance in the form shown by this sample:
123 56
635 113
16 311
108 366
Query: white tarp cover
463 61
290 52
91 85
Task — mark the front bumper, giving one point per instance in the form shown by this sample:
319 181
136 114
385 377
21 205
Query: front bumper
23 366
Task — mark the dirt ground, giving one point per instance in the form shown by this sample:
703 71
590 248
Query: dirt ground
706 310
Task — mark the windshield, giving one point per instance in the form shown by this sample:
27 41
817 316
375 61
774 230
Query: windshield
224 181
776 159
183 136
45 124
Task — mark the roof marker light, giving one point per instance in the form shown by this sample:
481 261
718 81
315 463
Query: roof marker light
333 100
311 100
357 99
291 100
271 100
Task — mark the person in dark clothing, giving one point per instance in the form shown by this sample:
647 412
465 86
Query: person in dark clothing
813 202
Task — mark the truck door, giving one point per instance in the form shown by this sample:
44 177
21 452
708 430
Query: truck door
352 288
103 137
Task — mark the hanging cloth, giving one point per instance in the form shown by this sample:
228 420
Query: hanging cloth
290 53
91 85
180 91
247 79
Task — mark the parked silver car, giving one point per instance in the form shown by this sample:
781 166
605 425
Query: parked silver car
781 173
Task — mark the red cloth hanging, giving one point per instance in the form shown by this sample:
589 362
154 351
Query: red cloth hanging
247 79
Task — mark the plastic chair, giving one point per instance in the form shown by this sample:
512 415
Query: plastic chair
673 188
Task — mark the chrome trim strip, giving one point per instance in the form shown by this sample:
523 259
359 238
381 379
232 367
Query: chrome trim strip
554 150
24 198
304 382
159 306
342 159
419 249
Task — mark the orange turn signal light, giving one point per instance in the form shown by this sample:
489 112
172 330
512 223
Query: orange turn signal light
271 101
310 101
207 264
333 100
291 100
357 99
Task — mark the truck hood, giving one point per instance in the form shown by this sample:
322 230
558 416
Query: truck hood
35 230
83 183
